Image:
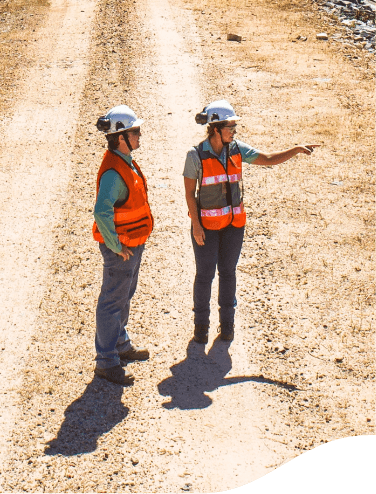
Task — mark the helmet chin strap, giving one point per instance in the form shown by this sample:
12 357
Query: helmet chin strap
126 139
224 144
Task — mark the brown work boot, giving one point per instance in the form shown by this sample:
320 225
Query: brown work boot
201 333
115 375
226 330
135 353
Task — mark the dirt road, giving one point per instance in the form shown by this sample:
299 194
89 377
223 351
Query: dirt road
35 172
301 368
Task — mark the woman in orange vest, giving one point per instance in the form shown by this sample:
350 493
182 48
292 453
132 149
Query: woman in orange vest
214 194
123 222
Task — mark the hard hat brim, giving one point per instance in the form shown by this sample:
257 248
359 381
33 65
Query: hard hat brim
229 119
137 123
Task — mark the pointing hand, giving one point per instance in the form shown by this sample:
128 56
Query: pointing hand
308 148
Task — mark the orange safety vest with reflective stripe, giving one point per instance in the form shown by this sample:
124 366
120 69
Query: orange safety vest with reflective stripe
220 194
133 219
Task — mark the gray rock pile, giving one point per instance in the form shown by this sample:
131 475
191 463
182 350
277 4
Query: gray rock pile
358 17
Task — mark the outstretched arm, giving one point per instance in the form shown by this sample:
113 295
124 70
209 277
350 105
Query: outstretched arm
277 157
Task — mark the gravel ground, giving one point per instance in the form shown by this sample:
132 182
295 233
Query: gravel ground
301 369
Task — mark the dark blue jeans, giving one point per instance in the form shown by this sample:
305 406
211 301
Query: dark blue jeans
222 248
118 287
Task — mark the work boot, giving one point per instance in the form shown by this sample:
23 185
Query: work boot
201 333
115 375
226 330
135 353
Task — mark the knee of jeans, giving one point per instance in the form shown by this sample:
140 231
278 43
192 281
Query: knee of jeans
227 274
205 277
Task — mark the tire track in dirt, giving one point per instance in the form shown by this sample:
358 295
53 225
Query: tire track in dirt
35 166
195 439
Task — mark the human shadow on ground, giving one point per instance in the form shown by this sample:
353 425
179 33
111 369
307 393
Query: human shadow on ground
96 412
199 373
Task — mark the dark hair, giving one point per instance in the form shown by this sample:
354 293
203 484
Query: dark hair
113 141
212 126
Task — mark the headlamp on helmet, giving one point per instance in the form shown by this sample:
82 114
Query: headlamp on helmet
103 124
202 118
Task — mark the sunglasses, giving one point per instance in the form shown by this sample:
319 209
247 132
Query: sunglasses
136 131
231 128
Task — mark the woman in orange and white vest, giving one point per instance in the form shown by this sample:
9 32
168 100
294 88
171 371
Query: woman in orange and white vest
214 194
123 223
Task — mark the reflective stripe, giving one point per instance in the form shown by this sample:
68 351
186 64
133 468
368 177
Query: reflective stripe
223 211
216 212
217 179
235 178
214 180
238 209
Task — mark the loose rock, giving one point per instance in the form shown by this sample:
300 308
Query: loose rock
234 37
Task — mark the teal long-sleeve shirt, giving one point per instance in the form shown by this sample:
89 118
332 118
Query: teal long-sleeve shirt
112 189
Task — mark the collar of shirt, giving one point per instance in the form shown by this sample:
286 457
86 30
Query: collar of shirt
206 146
128 159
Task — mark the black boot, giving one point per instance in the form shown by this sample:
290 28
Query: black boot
201 333
227 331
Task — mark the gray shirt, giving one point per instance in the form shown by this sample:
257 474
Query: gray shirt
192 168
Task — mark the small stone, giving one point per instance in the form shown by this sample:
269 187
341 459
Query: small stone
349 23
234 37
134 461
338 359
280 349
321 36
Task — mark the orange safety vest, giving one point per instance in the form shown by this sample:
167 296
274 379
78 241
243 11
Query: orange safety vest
220 194
133 219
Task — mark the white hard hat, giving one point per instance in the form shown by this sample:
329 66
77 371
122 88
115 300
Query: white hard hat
218 111
118 119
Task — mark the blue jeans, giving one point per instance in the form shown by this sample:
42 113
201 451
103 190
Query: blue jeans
222 248
118 287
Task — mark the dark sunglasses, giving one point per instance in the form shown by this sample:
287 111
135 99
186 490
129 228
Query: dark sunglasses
136 131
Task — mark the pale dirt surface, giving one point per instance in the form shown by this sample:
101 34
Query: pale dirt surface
300 371
37 134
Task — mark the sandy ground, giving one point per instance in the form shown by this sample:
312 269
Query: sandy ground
300 371
35 173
